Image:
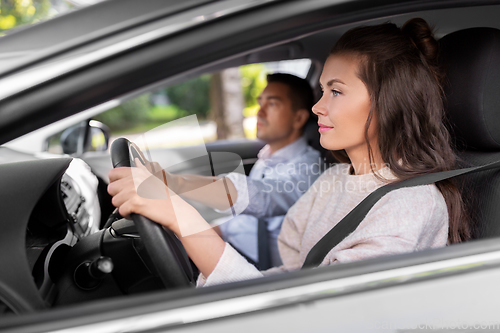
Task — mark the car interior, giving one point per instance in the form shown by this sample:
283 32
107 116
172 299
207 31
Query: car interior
58 259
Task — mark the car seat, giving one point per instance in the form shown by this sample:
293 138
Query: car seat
471 61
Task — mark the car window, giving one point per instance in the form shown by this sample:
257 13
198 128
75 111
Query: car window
224 103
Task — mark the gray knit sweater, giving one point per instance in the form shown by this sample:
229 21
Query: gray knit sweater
404 220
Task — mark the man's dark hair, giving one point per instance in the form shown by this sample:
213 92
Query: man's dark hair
300 93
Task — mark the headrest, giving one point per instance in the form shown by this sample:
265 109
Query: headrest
471 61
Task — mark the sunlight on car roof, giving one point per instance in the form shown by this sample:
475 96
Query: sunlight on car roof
16 15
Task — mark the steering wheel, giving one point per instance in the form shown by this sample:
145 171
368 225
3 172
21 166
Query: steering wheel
164 248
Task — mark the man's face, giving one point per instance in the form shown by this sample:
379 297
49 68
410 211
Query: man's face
275 116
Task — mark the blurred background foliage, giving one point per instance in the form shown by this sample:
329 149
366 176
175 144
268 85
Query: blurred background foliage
253 81
190 97
15 13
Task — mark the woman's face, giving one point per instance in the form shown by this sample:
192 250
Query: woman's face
344 107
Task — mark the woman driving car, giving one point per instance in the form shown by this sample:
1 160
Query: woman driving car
382 112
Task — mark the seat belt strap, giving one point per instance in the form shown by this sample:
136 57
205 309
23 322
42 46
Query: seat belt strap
263 245
352 220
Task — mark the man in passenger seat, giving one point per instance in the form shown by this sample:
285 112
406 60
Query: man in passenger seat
286 167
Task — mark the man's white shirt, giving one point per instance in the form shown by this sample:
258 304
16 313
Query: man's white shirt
274 184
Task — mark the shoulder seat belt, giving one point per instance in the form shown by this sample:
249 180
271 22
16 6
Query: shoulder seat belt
263 246
351 221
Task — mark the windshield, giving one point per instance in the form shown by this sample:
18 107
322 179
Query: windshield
21 13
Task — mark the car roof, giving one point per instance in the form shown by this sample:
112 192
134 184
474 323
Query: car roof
29 45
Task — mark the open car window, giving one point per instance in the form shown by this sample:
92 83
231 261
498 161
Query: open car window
222 111
201 96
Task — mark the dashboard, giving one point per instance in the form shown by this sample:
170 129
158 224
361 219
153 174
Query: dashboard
47 205
51 214
67 212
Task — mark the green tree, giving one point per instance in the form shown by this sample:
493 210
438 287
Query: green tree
14 13
192 95
253 81
127 115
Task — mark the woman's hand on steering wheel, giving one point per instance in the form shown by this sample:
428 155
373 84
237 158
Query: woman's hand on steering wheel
156 169
135 190
138 193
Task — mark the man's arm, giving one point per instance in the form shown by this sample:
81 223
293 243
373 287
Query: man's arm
258 197
216 192
266 197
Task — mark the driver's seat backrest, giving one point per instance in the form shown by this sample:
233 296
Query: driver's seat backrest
471 61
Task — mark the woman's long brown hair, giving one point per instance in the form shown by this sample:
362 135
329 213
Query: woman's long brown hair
399 69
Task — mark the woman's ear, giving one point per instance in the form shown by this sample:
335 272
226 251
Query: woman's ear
300 119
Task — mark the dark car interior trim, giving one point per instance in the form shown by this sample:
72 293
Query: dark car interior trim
18 289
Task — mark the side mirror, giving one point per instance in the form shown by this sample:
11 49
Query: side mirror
87 136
